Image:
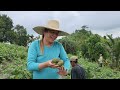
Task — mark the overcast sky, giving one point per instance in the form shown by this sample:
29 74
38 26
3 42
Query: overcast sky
100 22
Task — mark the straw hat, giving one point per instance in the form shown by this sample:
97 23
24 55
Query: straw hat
51 25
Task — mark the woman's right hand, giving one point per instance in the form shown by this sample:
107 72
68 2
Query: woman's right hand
52 65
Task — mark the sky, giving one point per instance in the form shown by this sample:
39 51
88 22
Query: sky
99 22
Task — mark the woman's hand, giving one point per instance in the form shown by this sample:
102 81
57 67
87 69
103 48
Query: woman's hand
52 65
62 71
47 64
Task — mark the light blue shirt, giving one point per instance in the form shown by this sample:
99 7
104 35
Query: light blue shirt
35 58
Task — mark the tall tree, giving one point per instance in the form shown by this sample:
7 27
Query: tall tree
6 25
113 49
22 35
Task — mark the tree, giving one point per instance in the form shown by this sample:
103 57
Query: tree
113 47
6 25
20 30
84 27
11 36
22 36
92 47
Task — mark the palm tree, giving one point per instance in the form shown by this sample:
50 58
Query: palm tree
113 47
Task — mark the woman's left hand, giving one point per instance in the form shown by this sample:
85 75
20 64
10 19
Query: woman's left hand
62 71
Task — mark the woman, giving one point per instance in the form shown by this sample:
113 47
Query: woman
41 52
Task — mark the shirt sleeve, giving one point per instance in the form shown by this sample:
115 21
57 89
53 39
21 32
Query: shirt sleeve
64 57
32 56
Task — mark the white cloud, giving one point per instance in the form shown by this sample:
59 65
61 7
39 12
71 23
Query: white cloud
101 22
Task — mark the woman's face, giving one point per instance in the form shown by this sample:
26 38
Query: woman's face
51 35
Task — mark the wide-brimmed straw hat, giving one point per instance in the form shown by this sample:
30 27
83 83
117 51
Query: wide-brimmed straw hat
51 25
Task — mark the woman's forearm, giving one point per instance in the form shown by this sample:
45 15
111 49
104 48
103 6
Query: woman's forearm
43 65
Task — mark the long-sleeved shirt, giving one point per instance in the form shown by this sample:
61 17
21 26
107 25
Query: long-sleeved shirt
56 50
78 72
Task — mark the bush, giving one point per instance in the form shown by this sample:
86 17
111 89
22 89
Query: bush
69 45
13 62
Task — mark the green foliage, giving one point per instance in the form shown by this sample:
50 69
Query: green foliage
93 71
21 35
80 36
6 25
69 45
8 33
13 62
13 65
92 47
113 47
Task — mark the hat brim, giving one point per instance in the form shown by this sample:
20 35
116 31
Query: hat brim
39 30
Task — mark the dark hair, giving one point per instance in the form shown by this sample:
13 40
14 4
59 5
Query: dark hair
46 30
76 61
